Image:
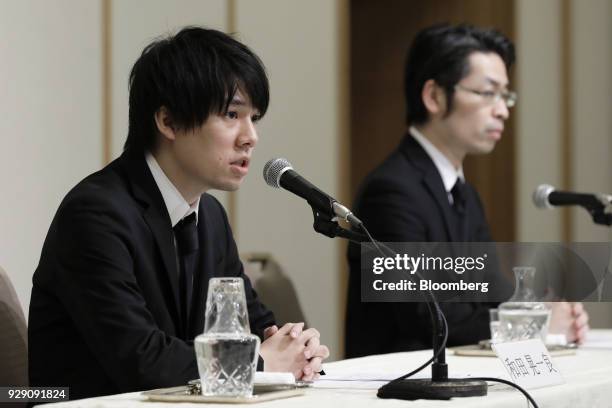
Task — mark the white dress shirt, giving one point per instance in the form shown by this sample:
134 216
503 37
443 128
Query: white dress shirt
178 208
447 171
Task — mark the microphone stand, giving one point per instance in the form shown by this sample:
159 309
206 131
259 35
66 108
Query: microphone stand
600 209
602 215
439 387
328 226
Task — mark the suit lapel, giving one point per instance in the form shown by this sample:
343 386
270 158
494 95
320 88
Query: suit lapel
432 180
434 185
156 216
162 231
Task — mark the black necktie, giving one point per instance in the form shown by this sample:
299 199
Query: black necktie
458 193
186 233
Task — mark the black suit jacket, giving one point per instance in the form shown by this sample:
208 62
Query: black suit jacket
104 313
404 200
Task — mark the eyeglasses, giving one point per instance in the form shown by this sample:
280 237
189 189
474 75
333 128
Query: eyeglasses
493 97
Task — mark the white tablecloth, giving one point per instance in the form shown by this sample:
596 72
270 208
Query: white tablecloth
588 376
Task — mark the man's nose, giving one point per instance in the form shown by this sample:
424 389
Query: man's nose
248 134
500 110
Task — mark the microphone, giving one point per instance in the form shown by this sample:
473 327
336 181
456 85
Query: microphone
545 196
279 173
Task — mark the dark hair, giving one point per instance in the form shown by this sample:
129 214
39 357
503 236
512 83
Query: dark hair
441 53
194 74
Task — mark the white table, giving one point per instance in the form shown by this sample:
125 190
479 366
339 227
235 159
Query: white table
588 377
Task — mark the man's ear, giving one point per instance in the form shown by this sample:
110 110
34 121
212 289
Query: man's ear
165 124
434 98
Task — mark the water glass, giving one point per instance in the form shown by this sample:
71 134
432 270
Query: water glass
516 325
227 351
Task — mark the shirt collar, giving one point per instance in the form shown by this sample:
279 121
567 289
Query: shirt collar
178 208
446 169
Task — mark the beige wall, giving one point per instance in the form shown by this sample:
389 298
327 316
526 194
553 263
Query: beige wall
301 125
538 114
50 99
592 121
540 83
592 115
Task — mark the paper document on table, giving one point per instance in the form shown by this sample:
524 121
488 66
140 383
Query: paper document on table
375 379
364 380
368 380
353 384
262 377
371 375
598 340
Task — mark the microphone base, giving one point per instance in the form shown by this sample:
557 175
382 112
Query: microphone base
413 389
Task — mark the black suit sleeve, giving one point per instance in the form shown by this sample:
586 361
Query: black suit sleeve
97 286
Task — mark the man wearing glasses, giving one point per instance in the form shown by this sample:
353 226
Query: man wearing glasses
457 101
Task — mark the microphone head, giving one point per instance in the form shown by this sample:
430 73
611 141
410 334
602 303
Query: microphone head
540 196
274 169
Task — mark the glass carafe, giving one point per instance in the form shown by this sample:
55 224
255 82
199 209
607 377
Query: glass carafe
227 351
523 317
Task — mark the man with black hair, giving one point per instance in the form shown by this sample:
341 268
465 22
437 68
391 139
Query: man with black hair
120 290
457 100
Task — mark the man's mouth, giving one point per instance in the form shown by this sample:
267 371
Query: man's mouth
496 132
241 163
240 167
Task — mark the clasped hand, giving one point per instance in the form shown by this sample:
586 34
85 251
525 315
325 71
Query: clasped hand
293 349
571 319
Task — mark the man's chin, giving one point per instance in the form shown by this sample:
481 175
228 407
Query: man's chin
229 186
483 148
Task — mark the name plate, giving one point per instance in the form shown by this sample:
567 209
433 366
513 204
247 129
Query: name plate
528 363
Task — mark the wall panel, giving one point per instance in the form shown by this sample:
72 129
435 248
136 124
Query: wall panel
51 127
298 43
538 128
